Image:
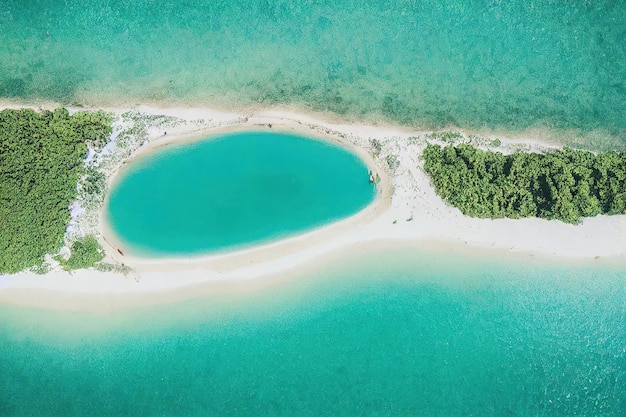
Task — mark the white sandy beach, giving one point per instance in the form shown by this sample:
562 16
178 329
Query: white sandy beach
406 209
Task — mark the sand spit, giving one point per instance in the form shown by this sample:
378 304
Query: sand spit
406 209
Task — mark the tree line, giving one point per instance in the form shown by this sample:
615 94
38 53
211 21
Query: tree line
41 161
565 184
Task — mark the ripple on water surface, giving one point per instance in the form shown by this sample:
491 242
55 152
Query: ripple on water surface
233 190
397 332
482 64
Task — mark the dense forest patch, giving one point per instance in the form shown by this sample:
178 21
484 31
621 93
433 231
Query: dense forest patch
41 161
566 184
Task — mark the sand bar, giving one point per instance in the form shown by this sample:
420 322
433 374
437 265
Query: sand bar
406 209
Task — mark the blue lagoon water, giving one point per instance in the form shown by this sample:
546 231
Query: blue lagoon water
391 332
482 64
234 190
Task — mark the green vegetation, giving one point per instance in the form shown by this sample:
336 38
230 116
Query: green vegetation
392 161
495 143
448 137
376 146
41 161
117 268
565 185
93 183
85 252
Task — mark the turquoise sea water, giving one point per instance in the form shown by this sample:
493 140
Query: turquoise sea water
387 332
479 64
393 332
234 190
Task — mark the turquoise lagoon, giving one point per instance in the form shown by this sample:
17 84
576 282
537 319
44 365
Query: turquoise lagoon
231 191
392 331
480 64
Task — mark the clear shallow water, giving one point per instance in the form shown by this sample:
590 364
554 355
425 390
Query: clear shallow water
394 332
481 64
235 190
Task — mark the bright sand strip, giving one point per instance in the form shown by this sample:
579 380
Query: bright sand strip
406 209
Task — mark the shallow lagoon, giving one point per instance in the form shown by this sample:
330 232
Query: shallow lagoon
229 191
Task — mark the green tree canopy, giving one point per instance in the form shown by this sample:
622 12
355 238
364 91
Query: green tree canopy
85 252
565 184
41 160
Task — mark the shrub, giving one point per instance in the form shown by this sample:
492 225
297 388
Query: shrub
85 252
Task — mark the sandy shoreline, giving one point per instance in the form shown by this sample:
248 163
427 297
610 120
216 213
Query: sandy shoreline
406 209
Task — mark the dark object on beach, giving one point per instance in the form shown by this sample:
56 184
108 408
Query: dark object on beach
120 252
